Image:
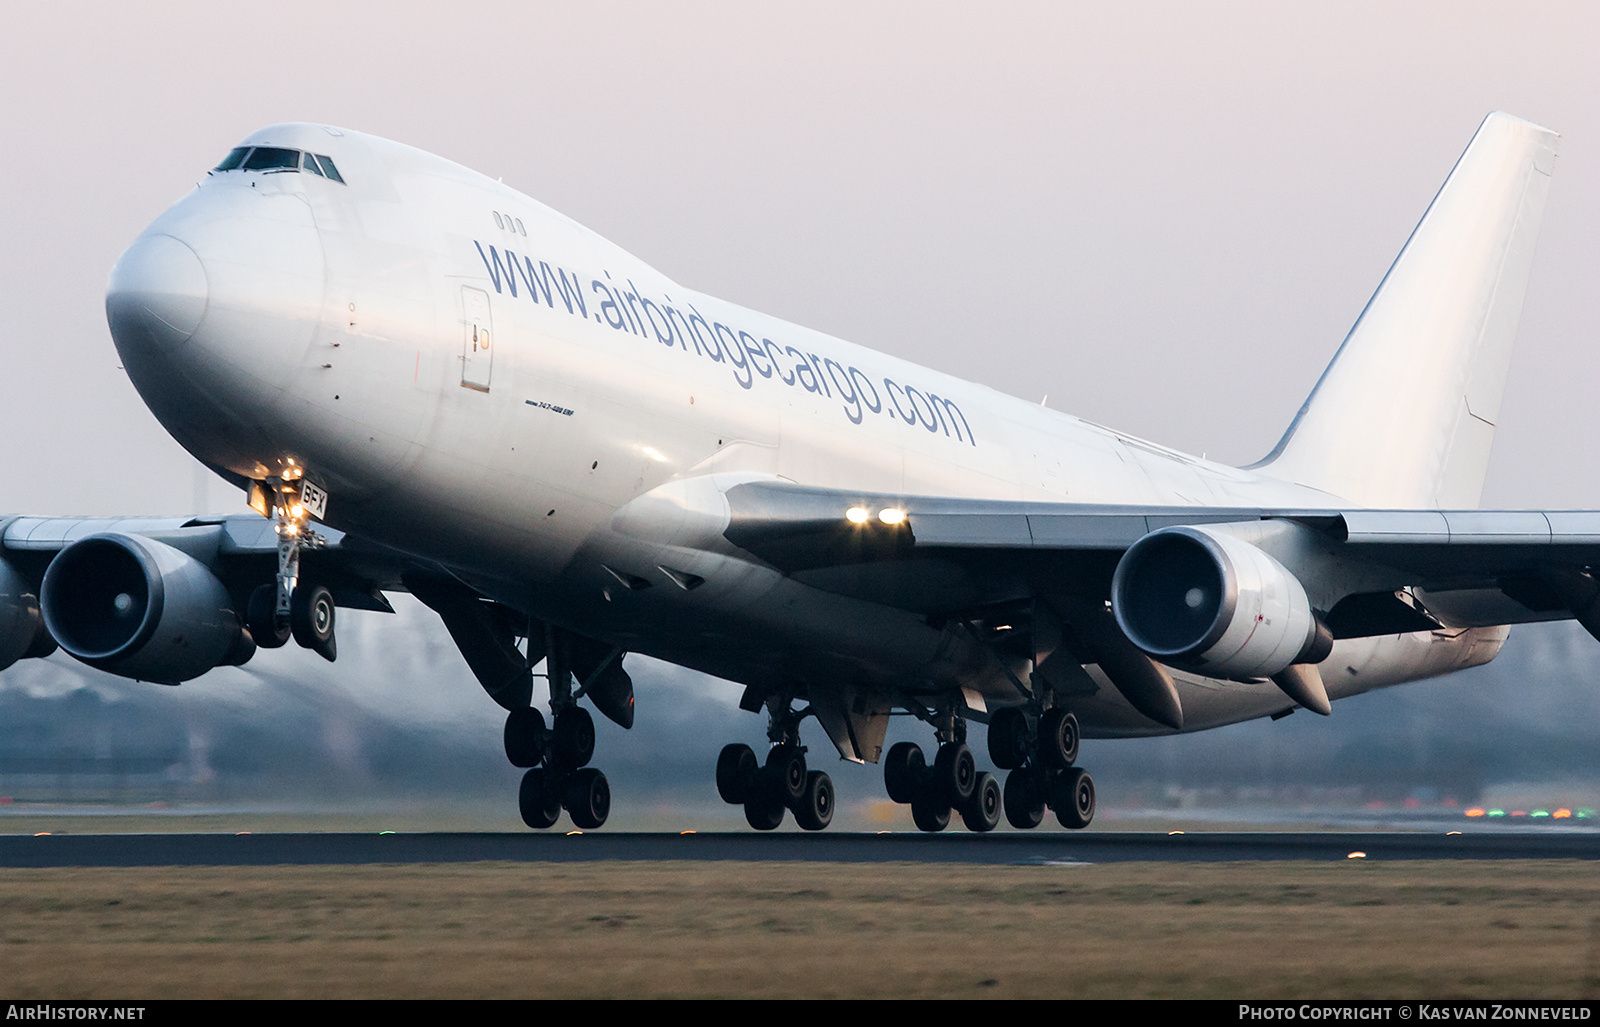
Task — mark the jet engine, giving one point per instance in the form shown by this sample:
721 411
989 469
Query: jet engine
141 609
1206 601
22 631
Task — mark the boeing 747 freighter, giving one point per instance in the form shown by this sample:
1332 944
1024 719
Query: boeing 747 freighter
422 380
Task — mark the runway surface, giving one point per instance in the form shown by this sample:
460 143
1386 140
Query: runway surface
1044 849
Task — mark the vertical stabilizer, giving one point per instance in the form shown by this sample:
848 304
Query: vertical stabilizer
1405 414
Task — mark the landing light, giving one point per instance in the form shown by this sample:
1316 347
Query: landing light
889 515
856 515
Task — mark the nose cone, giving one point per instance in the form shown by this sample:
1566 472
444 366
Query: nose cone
157 296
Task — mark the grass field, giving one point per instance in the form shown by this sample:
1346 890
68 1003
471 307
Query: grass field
636 930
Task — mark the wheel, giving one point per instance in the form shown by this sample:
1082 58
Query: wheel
956 770
540 806
572 741
785 773
814 810
903 769
588 798
1058 738
763 812
525 737
930 809
1072 797
311 619
1024 799
736 772
261 617
1008 738
981 812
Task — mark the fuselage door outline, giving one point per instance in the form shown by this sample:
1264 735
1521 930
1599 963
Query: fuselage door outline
477 353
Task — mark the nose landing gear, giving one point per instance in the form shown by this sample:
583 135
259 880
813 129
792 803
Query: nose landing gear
289 607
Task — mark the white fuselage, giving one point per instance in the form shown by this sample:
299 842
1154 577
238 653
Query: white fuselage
481 382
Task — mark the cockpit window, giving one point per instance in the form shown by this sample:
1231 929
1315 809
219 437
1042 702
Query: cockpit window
272 158
277 158
234 158
331 171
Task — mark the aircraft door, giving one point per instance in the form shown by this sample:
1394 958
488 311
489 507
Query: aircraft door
477 355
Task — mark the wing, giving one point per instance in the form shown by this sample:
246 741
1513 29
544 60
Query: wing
163 599
1363 572
168 599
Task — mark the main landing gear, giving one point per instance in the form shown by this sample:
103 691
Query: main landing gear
783 782
1040 759
559 777
953 783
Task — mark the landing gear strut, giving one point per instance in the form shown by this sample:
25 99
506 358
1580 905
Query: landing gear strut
1040 759
289 607
783 782
559 777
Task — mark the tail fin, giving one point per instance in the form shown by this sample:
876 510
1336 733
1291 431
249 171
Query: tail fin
1404 416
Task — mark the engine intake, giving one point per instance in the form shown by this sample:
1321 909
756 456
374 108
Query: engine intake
1206 601
141 609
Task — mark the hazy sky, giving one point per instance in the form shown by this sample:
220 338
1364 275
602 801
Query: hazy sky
1164 216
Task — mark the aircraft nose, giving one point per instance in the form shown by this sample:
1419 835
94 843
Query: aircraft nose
158 293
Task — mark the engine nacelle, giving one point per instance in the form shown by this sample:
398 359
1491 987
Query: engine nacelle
141 609
22 631
1208 602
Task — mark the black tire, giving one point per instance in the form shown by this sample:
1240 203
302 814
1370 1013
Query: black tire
814 810
956 771
981 812
261 617
736 772
762 812
930 809
540 806
1058 739
1024 799
572 740
1073 798
903 771
311 615
588 798
1008 738
524 737
785 774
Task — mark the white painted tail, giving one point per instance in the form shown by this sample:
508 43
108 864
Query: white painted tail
1405 414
